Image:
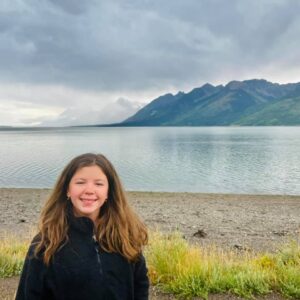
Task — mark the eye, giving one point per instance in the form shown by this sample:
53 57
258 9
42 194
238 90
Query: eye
79 182
99 184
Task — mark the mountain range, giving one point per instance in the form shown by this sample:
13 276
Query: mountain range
245 103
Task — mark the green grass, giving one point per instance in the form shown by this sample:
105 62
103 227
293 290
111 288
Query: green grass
12 254
188 271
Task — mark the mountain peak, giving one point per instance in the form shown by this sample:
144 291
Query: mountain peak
234 85
207 85
179 94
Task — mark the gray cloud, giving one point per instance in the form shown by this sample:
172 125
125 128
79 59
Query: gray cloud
72 7
139 46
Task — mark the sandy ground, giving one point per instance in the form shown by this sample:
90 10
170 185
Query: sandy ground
243 222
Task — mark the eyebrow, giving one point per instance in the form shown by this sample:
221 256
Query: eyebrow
80 178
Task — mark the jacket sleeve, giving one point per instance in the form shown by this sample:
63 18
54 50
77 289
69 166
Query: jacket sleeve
141 280
31 285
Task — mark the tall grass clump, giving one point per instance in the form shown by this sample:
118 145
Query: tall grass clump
288 270
12 254
191 271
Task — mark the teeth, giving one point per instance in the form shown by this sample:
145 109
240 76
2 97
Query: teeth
88 199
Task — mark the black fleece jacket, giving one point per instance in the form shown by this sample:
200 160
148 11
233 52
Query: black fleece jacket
81 270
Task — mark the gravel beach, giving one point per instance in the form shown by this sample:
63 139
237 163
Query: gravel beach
243 222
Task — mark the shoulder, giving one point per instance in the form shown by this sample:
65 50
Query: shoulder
36 239
139 259
34 261
33 244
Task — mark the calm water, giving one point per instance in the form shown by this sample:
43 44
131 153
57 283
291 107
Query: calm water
252 160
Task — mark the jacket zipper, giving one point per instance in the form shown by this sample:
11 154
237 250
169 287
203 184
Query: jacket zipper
96 246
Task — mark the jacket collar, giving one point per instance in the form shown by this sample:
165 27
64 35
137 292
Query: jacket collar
83 225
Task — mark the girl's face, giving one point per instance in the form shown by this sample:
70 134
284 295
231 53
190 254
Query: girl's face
88 190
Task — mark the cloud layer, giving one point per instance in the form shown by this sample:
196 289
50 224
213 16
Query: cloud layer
137 49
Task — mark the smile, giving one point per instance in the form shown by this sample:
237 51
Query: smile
89 200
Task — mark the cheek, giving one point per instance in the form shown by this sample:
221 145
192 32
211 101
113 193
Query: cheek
104 192
74 191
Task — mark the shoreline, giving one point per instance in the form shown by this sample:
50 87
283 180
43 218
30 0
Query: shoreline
34 189
238 221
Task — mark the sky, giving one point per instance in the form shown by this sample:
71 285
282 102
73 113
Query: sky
65 62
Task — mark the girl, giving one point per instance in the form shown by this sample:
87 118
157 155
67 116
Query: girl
89 244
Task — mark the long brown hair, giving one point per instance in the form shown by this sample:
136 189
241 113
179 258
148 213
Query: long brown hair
119 229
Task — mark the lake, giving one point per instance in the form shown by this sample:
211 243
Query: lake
244 160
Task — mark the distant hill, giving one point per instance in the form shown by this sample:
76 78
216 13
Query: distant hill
249 102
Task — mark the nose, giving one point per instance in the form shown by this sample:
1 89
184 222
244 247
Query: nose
89 189
89 192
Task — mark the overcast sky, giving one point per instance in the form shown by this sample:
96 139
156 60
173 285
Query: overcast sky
66 62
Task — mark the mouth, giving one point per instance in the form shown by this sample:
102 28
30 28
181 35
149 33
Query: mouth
88 200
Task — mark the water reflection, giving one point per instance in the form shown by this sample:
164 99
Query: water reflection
196 159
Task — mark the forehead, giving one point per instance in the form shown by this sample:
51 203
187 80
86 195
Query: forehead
93 171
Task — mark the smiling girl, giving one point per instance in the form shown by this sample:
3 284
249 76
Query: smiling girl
90 242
